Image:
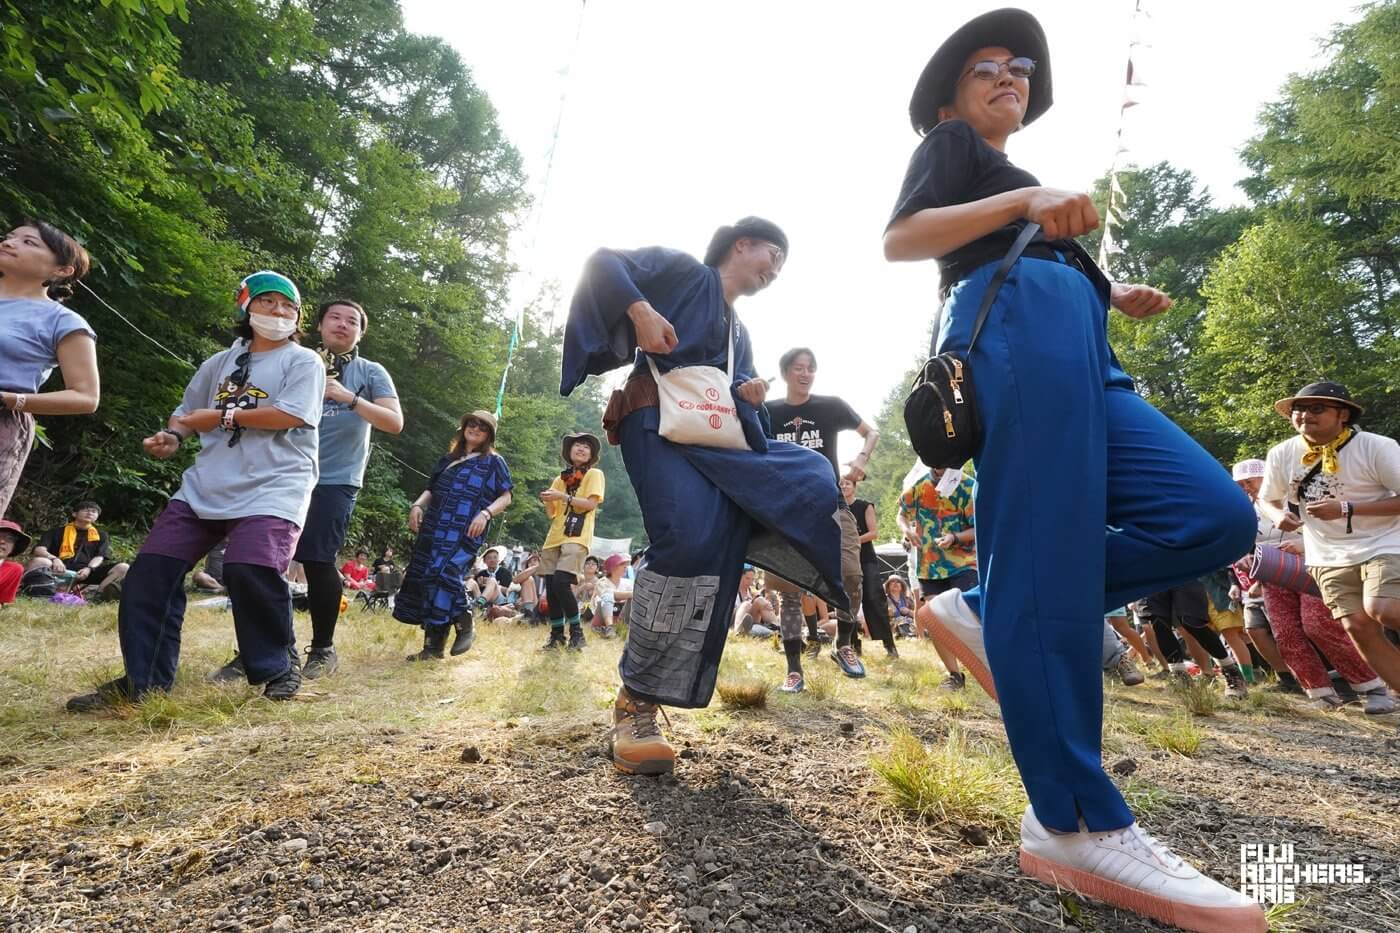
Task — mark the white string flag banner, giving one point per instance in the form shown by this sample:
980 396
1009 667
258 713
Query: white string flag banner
1133 95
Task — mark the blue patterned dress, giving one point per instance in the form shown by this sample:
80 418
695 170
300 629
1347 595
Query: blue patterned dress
433 592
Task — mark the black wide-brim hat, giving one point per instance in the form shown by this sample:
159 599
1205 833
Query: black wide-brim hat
1318 392
583 436
1010 28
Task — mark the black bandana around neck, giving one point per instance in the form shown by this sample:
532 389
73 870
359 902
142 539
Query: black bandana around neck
336 362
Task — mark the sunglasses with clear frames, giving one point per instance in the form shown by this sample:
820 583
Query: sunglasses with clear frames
1019 67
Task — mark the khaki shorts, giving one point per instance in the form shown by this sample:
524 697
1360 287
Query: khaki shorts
1344 588
850 546
1222 620
566 557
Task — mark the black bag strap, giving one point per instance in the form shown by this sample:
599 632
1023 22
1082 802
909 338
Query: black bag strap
1312 474
1028 233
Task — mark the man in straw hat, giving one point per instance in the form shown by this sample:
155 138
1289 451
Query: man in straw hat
1102 490
707 509
1340 486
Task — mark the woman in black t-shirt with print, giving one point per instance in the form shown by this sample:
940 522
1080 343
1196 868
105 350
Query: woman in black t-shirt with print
1079 480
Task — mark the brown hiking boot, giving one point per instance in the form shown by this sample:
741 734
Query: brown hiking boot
636 742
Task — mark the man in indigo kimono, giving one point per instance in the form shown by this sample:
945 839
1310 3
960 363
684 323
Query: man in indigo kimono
707 509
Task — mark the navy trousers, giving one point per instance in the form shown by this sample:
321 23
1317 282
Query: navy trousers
153 611
1087 499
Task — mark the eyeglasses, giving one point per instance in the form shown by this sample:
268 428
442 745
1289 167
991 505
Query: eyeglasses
1314 408
276 302
776 252
1019 67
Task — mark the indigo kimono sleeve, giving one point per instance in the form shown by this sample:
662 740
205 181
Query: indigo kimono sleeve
598 336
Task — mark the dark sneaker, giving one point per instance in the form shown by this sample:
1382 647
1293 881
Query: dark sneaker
231 673
576 641
955 681
1287 683
1235 687
556 640
891 652
285 686
793 683
845 658
813 649
466 634
320 662
1129 673
109 695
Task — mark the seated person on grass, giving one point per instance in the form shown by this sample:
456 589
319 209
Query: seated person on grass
354 574
81 547
13 540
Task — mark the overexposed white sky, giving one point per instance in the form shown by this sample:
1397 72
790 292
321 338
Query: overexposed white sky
681 116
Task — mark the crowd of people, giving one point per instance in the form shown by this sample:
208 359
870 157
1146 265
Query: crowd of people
1059 554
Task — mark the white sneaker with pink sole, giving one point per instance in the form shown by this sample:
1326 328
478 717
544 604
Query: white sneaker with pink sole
1129 869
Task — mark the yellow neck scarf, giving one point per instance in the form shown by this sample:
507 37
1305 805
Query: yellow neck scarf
1327 453
69 546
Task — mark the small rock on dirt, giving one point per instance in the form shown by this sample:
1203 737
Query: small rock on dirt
655 827
471 755
1124 766
283 924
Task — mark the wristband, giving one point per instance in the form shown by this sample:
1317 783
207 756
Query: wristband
179 438
353 402
226 422
1347 511
20 399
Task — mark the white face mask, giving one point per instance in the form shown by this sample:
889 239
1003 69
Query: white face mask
271 327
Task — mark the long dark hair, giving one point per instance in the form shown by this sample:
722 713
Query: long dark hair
68 252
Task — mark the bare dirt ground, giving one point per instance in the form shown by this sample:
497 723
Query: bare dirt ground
474 794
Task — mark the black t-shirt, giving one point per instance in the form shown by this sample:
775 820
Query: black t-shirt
867 548
85 550
815 424
953 165
504 577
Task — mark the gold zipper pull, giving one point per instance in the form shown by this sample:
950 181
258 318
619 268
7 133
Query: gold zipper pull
948 424
957 370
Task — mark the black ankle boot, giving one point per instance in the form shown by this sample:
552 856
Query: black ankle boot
466 634
576 636
556 639
434 639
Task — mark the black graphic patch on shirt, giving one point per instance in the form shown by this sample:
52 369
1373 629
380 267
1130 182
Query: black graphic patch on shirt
231 395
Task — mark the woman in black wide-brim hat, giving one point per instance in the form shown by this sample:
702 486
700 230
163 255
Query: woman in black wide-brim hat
571 502
1087 497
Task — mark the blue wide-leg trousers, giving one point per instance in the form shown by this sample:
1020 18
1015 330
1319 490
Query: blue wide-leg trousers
1087 498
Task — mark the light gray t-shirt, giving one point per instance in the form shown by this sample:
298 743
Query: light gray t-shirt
344 434
266 472
30 332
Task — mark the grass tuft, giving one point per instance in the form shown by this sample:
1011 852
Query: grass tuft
954 785
1175 733
1198 696
744 693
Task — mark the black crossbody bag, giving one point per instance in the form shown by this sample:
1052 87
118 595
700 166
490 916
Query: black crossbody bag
940 413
